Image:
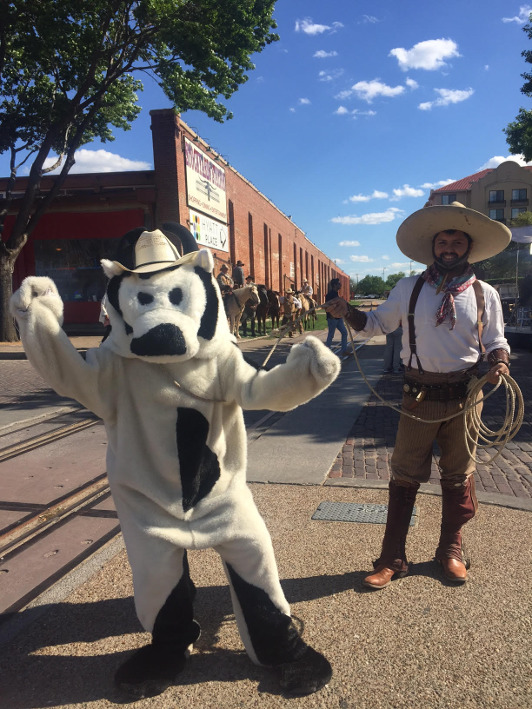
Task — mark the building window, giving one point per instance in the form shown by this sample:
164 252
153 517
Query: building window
74 265
496 196
497 214
517 210
448 198
519 195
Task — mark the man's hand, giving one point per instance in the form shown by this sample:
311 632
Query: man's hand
337 307
494 374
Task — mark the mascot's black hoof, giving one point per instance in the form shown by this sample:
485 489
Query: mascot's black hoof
307 675
149 672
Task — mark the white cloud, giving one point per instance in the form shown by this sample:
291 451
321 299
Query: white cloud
292 110
361 259
343 94
342 111
524 15
312 28
330 75
435 185
100 161
406 191
372 218
429 55
369 18
304 102
322 54
496 160
385 258
412 84
447 97
369 90
349 243
376 194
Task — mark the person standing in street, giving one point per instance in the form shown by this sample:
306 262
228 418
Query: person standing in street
335 323
238 274
450 320
392 351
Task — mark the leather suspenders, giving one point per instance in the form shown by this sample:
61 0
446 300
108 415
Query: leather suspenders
479 295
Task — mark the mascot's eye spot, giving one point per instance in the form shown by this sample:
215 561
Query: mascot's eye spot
145 298
175 296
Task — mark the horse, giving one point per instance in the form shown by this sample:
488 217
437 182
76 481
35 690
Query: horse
234 306
291 313
308 310
275 307
263 309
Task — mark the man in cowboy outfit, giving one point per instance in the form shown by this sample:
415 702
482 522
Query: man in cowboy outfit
450 319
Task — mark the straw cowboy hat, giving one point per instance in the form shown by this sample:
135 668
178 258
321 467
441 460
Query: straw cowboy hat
154 251
414 236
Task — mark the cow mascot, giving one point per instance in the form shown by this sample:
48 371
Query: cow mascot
170 384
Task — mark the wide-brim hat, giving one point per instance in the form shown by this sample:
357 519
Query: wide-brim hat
239 263
414 236
153 252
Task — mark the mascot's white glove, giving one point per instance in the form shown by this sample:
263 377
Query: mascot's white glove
36 289
309 369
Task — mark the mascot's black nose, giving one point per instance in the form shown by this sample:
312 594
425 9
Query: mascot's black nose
165 339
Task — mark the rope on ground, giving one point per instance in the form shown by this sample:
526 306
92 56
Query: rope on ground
477 434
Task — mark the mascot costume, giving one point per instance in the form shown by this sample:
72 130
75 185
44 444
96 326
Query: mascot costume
170 384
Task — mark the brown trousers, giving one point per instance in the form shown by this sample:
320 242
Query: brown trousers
412 456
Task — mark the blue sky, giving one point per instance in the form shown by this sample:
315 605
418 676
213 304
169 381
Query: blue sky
360 108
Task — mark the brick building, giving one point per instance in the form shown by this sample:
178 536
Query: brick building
190 184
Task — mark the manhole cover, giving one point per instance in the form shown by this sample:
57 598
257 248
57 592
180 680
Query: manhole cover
353 512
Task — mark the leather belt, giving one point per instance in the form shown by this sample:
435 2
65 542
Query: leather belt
435 392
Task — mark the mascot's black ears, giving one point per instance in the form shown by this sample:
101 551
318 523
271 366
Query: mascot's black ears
179 235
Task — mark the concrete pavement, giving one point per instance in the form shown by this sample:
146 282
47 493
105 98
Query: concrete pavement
418 643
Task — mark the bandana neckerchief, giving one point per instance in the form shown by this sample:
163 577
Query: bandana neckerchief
450 289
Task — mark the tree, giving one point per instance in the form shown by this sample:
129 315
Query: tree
68 73
519 132
392 279
371 284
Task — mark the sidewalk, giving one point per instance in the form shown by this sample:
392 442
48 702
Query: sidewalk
418 643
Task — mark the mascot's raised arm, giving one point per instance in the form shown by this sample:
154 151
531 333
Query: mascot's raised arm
170 383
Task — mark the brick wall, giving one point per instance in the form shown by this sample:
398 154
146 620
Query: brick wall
273 248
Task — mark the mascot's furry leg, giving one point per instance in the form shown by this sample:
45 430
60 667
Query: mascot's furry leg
262 611
154 667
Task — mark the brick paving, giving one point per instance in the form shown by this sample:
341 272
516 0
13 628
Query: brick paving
367 451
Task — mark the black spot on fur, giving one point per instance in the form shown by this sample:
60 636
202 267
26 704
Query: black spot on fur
164 339
128 328
198 465
209 318
175 296
174 625
112 293
272 633
145 298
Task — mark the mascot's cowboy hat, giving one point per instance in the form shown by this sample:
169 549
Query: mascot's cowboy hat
151 251
414 236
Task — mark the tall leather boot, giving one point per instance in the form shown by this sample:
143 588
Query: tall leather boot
392 562
459 505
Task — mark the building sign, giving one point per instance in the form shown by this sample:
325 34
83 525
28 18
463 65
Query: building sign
205 183
209 233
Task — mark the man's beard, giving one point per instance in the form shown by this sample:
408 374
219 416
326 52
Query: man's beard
457 264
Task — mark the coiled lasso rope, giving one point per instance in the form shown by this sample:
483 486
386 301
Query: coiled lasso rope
476 432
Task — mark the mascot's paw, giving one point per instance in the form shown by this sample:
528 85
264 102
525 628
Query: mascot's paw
38 288
324 365
149 672
307 675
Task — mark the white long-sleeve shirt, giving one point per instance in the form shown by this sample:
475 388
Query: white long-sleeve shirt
440 349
